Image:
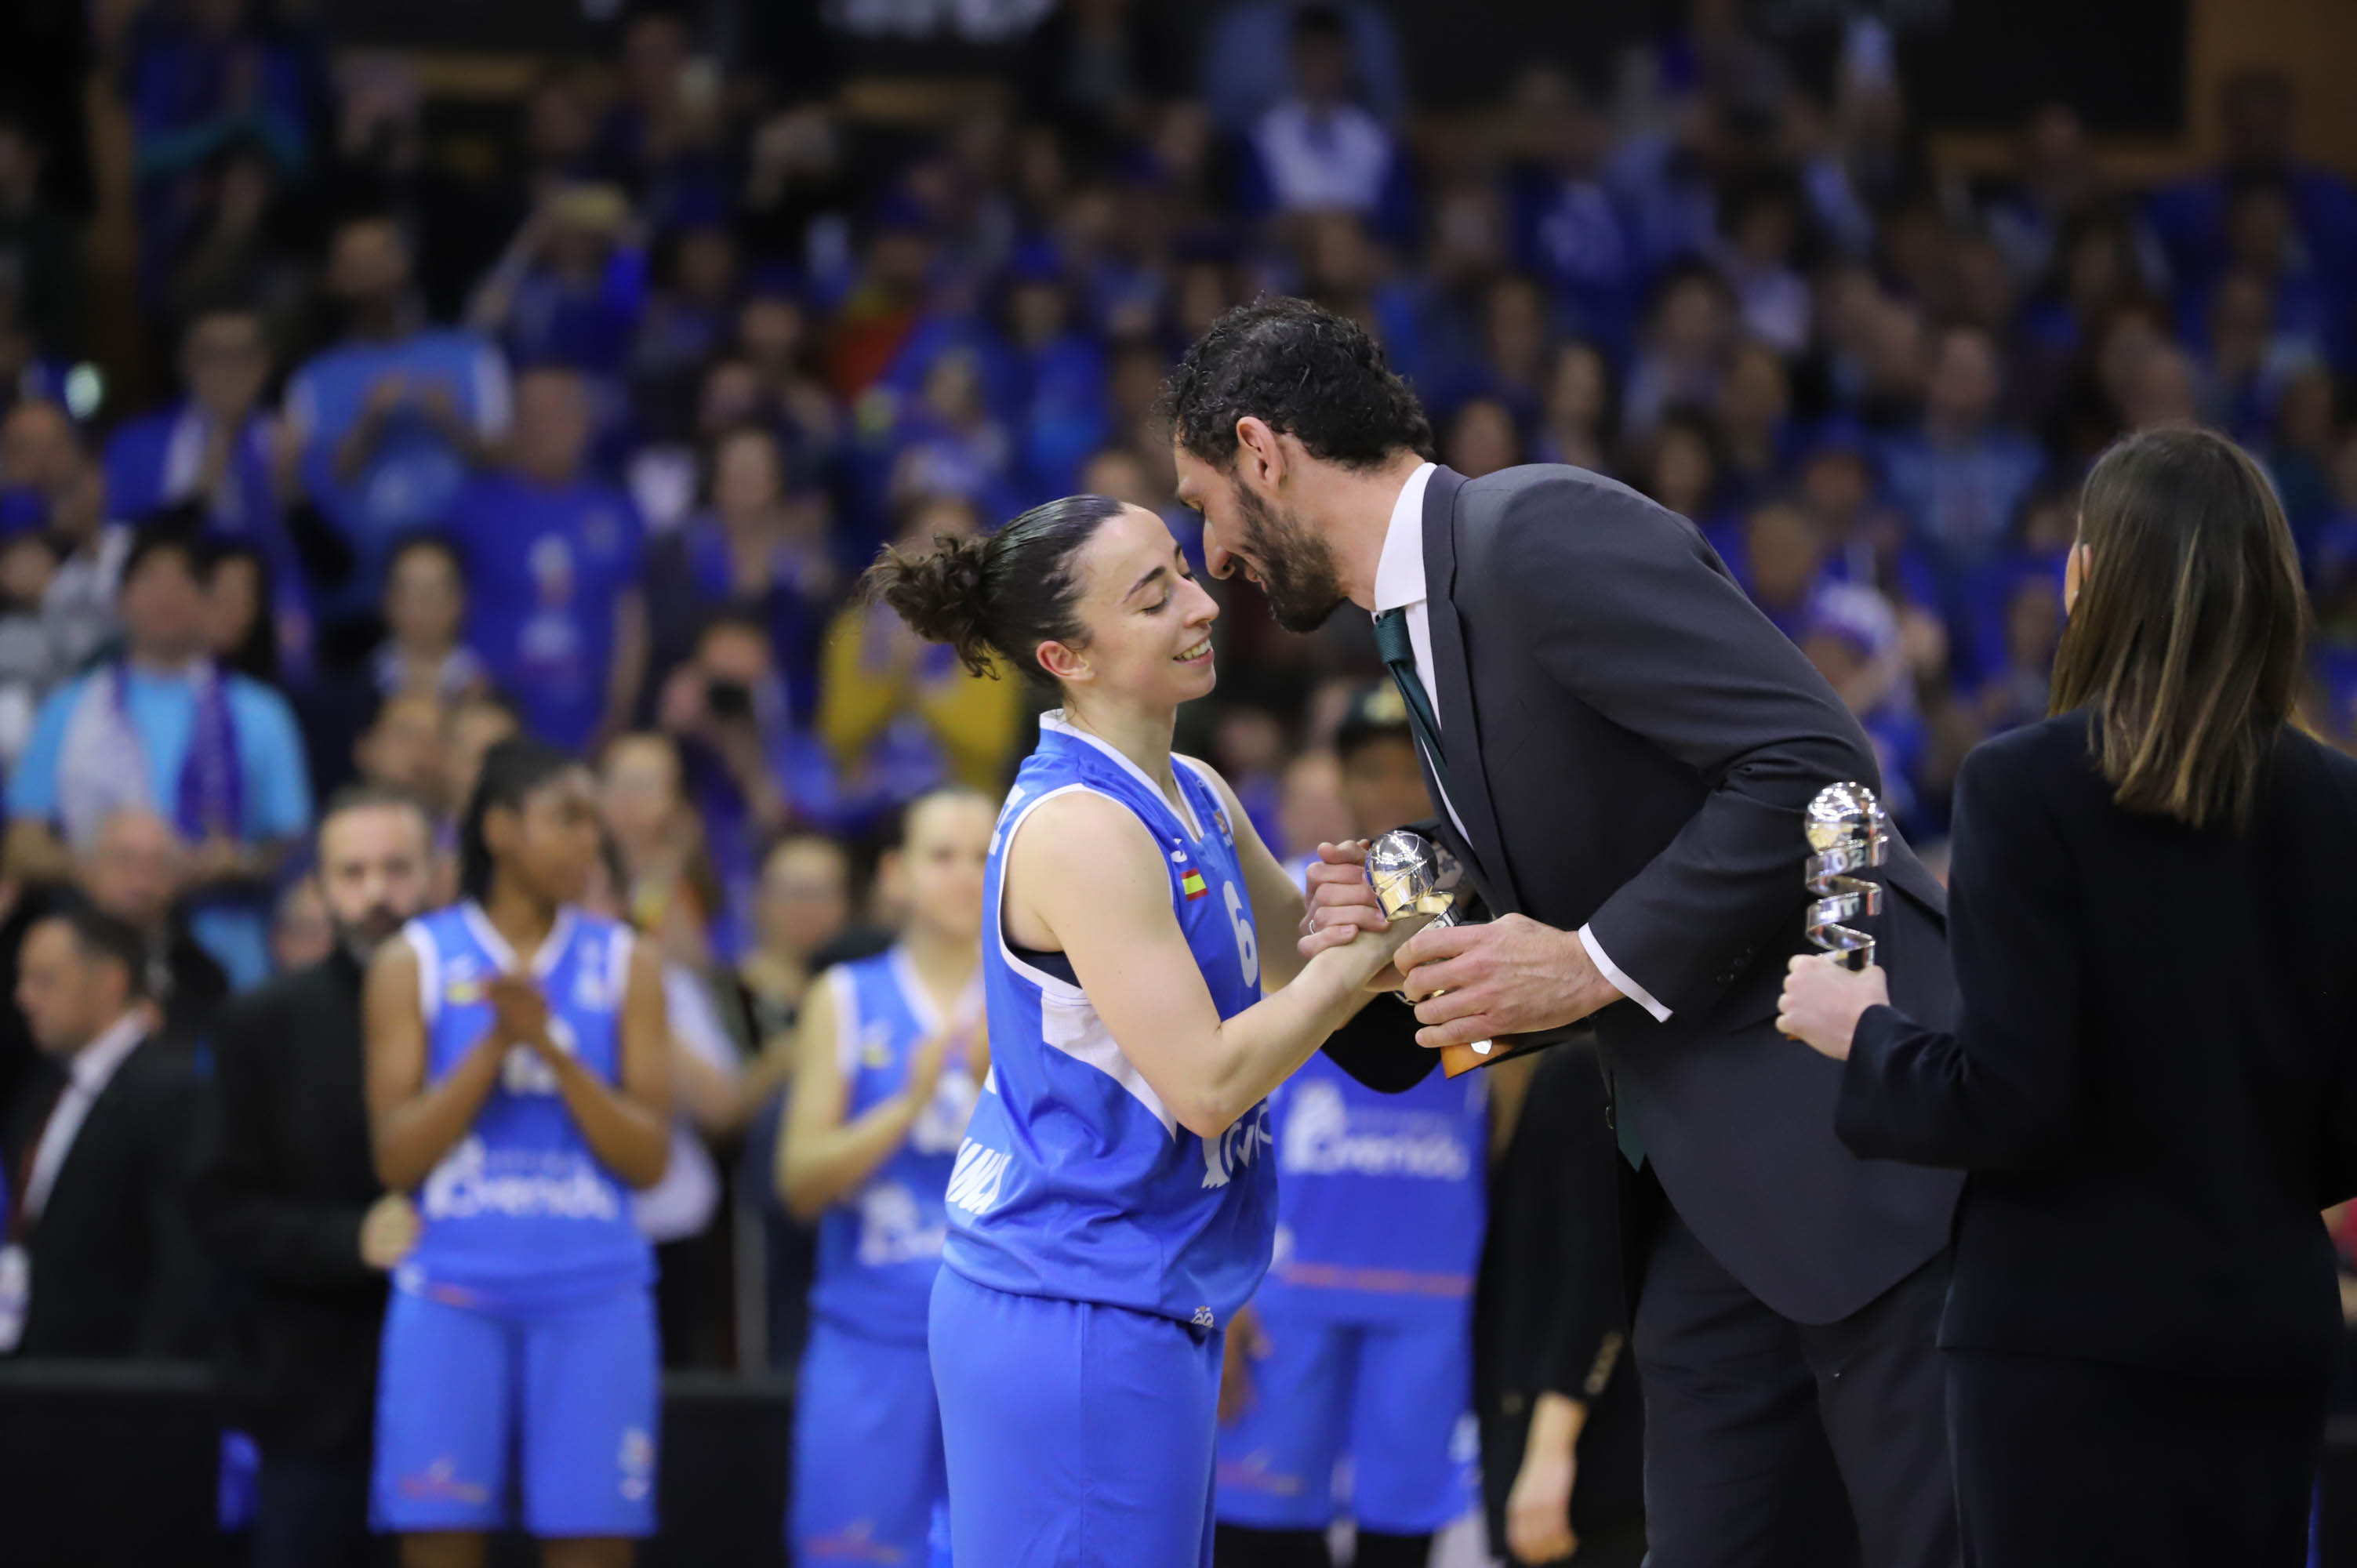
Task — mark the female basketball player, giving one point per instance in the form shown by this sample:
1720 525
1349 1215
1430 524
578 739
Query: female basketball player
890 1059
516 1073
1111 1206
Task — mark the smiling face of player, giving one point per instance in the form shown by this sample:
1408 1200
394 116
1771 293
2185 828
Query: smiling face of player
1147 622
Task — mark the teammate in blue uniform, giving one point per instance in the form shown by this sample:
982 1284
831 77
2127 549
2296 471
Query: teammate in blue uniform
889 1059
1111 1205
1359 1341
522 1098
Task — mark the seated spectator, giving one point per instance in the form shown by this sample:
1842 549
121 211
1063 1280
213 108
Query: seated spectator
1761 237
390 420
132 870
473 725
101 1263
1865 541
1852 636
44 467
1063 417
2248 359
902 716
1311 807
752 548
238 625
667 889
1317 150
1481 439
1684 346
2300 453
1961 476
211 453
1682 465
951 442
687 324
804 904
2014 692
1570 227
162 728
425 612
555 610
402 750
1780 564
28 664
300 931
1755 405
569 291
1579 421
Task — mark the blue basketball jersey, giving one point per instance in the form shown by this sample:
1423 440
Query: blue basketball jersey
879 1248
1380 1207
1074 1180
519 1213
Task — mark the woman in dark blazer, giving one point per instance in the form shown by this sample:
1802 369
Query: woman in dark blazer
2153 916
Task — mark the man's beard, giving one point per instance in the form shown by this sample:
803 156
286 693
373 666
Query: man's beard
1296 566
363 936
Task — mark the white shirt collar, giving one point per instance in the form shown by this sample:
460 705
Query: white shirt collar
1399 571
94 1065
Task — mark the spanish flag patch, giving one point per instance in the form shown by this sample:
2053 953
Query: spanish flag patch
1192 886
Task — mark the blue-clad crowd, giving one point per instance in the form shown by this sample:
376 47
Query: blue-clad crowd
582 419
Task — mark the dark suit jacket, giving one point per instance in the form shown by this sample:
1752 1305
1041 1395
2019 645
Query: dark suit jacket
2153 1076
1547 1313
1632 746
117 1270
283 1177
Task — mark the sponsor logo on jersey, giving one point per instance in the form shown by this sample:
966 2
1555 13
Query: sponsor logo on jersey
637 1461
1220 816
892 1228
975 1180
522 1184
1234 1149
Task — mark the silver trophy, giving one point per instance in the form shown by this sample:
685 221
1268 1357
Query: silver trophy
1413 875
1848 831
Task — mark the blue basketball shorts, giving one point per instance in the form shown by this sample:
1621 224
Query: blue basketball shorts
1391 1396
868 1475
478 1411
1077 1435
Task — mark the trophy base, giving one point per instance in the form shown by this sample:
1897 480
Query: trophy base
1455 1061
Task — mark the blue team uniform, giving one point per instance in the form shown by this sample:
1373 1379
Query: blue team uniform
869 1475
523 1322
1366 1310
1096 1247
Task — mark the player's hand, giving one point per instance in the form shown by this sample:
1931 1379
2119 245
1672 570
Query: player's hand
388 1230
932 1058
1342 902
521 1012
1507 976
1245 1344
1822 1001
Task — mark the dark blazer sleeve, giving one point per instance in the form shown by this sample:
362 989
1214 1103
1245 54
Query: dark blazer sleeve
1587 1335
247 1218
1625 608
2003 1091
171 1309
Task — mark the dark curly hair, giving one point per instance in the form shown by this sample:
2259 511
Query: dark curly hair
1002 594
1306 370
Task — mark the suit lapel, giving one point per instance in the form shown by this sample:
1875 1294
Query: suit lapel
1460 732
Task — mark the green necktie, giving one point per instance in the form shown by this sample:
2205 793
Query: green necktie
1398 654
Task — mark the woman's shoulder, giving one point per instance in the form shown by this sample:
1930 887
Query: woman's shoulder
2056 747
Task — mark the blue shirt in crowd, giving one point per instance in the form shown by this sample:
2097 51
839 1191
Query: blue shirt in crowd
547 568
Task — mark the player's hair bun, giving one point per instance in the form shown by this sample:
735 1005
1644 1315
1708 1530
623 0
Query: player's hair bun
941 594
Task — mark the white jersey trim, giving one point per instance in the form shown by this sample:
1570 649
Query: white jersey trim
552 946
429 970
846 1024
1068 1019
1054 720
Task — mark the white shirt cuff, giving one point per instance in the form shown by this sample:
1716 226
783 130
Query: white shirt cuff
1620 982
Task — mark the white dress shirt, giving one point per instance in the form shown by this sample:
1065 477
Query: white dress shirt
1399 585
86 1075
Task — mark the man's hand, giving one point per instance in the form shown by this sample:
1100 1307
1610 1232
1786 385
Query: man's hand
1822 1001
1245 1344
388 1230
1538 1509
1509 976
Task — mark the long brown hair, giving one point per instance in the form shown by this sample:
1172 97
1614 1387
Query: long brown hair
2185 644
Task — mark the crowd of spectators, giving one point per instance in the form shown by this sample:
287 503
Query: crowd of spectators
588 428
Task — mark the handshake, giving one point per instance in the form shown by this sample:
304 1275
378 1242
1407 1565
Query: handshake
1469 984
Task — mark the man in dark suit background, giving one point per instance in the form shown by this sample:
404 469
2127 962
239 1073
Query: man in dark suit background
99 1261
1621 747
287 1198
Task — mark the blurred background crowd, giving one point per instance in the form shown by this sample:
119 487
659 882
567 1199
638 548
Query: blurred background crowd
413 415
